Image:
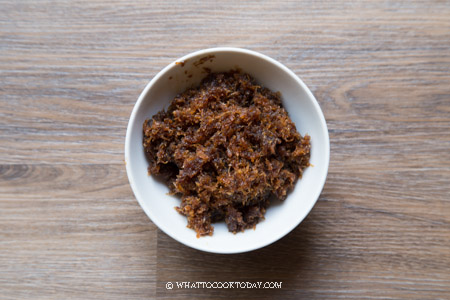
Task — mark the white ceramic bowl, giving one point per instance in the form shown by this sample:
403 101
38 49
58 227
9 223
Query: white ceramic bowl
303 110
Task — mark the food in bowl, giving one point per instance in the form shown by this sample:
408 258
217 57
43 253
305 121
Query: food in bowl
226 147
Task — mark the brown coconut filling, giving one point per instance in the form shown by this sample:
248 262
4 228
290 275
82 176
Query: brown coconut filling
226 147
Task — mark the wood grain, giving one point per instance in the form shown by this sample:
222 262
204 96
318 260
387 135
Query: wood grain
71 72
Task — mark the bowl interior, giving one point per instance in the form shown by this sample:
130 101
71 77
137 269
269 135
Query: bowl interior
303 109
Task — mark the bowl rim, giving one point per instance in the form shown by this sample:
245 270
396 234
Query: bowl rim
143 95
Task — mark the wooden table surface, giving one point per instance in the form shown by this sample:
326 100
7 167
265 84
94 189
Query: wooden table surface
71 71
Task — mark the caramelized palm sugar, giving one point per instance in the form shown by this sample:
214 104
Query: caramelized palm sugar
226 147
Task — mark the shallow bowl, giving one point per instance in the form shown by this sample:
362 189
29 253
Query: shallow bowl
301 106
